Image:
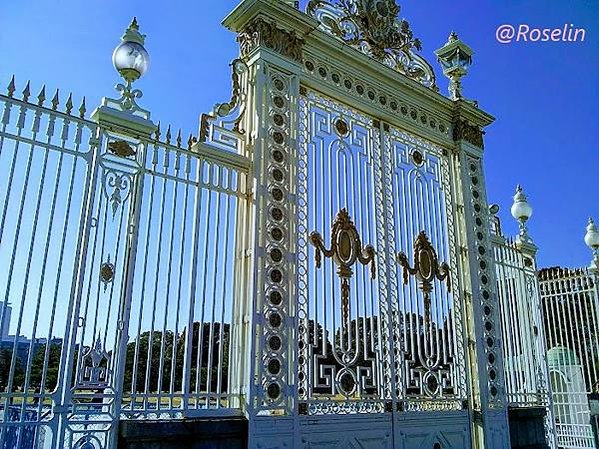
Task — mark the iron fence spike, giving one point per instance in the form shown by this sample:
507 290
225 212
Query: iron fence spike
179 138
55 101
11 87
168 134
42 96
82 109
157 131
26 92
69 104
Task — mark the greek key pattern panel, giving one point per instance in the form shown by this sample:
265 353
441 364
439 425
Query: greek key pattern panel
427 319
484 288
343 364
278 281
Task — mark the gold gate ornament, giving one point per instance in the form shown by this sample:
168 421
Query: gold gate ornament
346 249
426 268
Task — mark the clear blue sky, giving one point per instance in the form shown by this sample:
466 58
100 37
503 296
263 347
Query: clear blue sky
544 95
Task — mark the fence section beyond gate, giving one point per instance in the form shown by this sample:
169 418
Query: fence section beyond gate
120 243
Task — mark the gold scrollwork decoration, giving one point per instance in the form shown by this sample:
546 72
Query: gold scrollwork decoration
346 249
426 269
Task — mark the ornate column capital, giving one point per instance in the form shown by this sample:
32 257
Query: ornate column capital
463 130
262 33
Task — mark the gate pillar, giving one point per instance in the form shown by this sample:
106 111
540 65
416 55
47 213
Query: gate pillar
488 394
273 52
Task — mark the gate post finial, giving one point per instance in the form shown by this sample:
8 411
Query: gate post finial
591 239
521 210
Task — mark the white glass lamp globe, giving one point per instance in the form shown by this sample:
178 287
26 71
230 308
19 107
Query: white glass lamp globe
521 210
130 57
591 237
131 60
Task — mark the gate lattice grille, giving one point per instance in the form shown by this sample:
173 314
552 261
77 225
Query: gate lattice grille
393 186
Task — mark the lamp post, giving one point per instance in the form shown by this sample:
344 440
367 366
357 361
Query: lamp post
521 210
455 58
591 239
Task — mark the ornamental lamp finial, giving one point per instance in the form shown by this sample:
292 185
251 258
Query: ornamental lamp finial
130 58
455 58
591 238
521 210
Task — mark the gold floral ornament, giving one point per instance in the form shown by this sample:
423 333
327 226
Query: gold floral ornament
346 249
426 269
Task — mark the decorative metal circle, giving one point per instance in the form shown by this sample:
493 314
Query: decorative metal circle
487 310
275 343
488 326
478 222
274 366
277 175
442 128
383 100
491 358
490 342
492 374
433 124
275 319
486 294
341 127
493 391
335 78
276 214
322 72
475 194
310 66
273 391
278 156
417 157
404 110
276 276
482 250
279 84
278 137
437 446
413 114
278 119
477 208
432 384
277 194
276 255
360 89
472 167
423 119
276 234
484 279
371 95
347 383
278 101
393 105
107 272
275 297
474 180
347 84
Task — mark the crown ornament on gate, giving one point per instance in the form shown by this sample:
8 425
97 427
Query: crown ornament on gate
374 28
426 269
346 249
